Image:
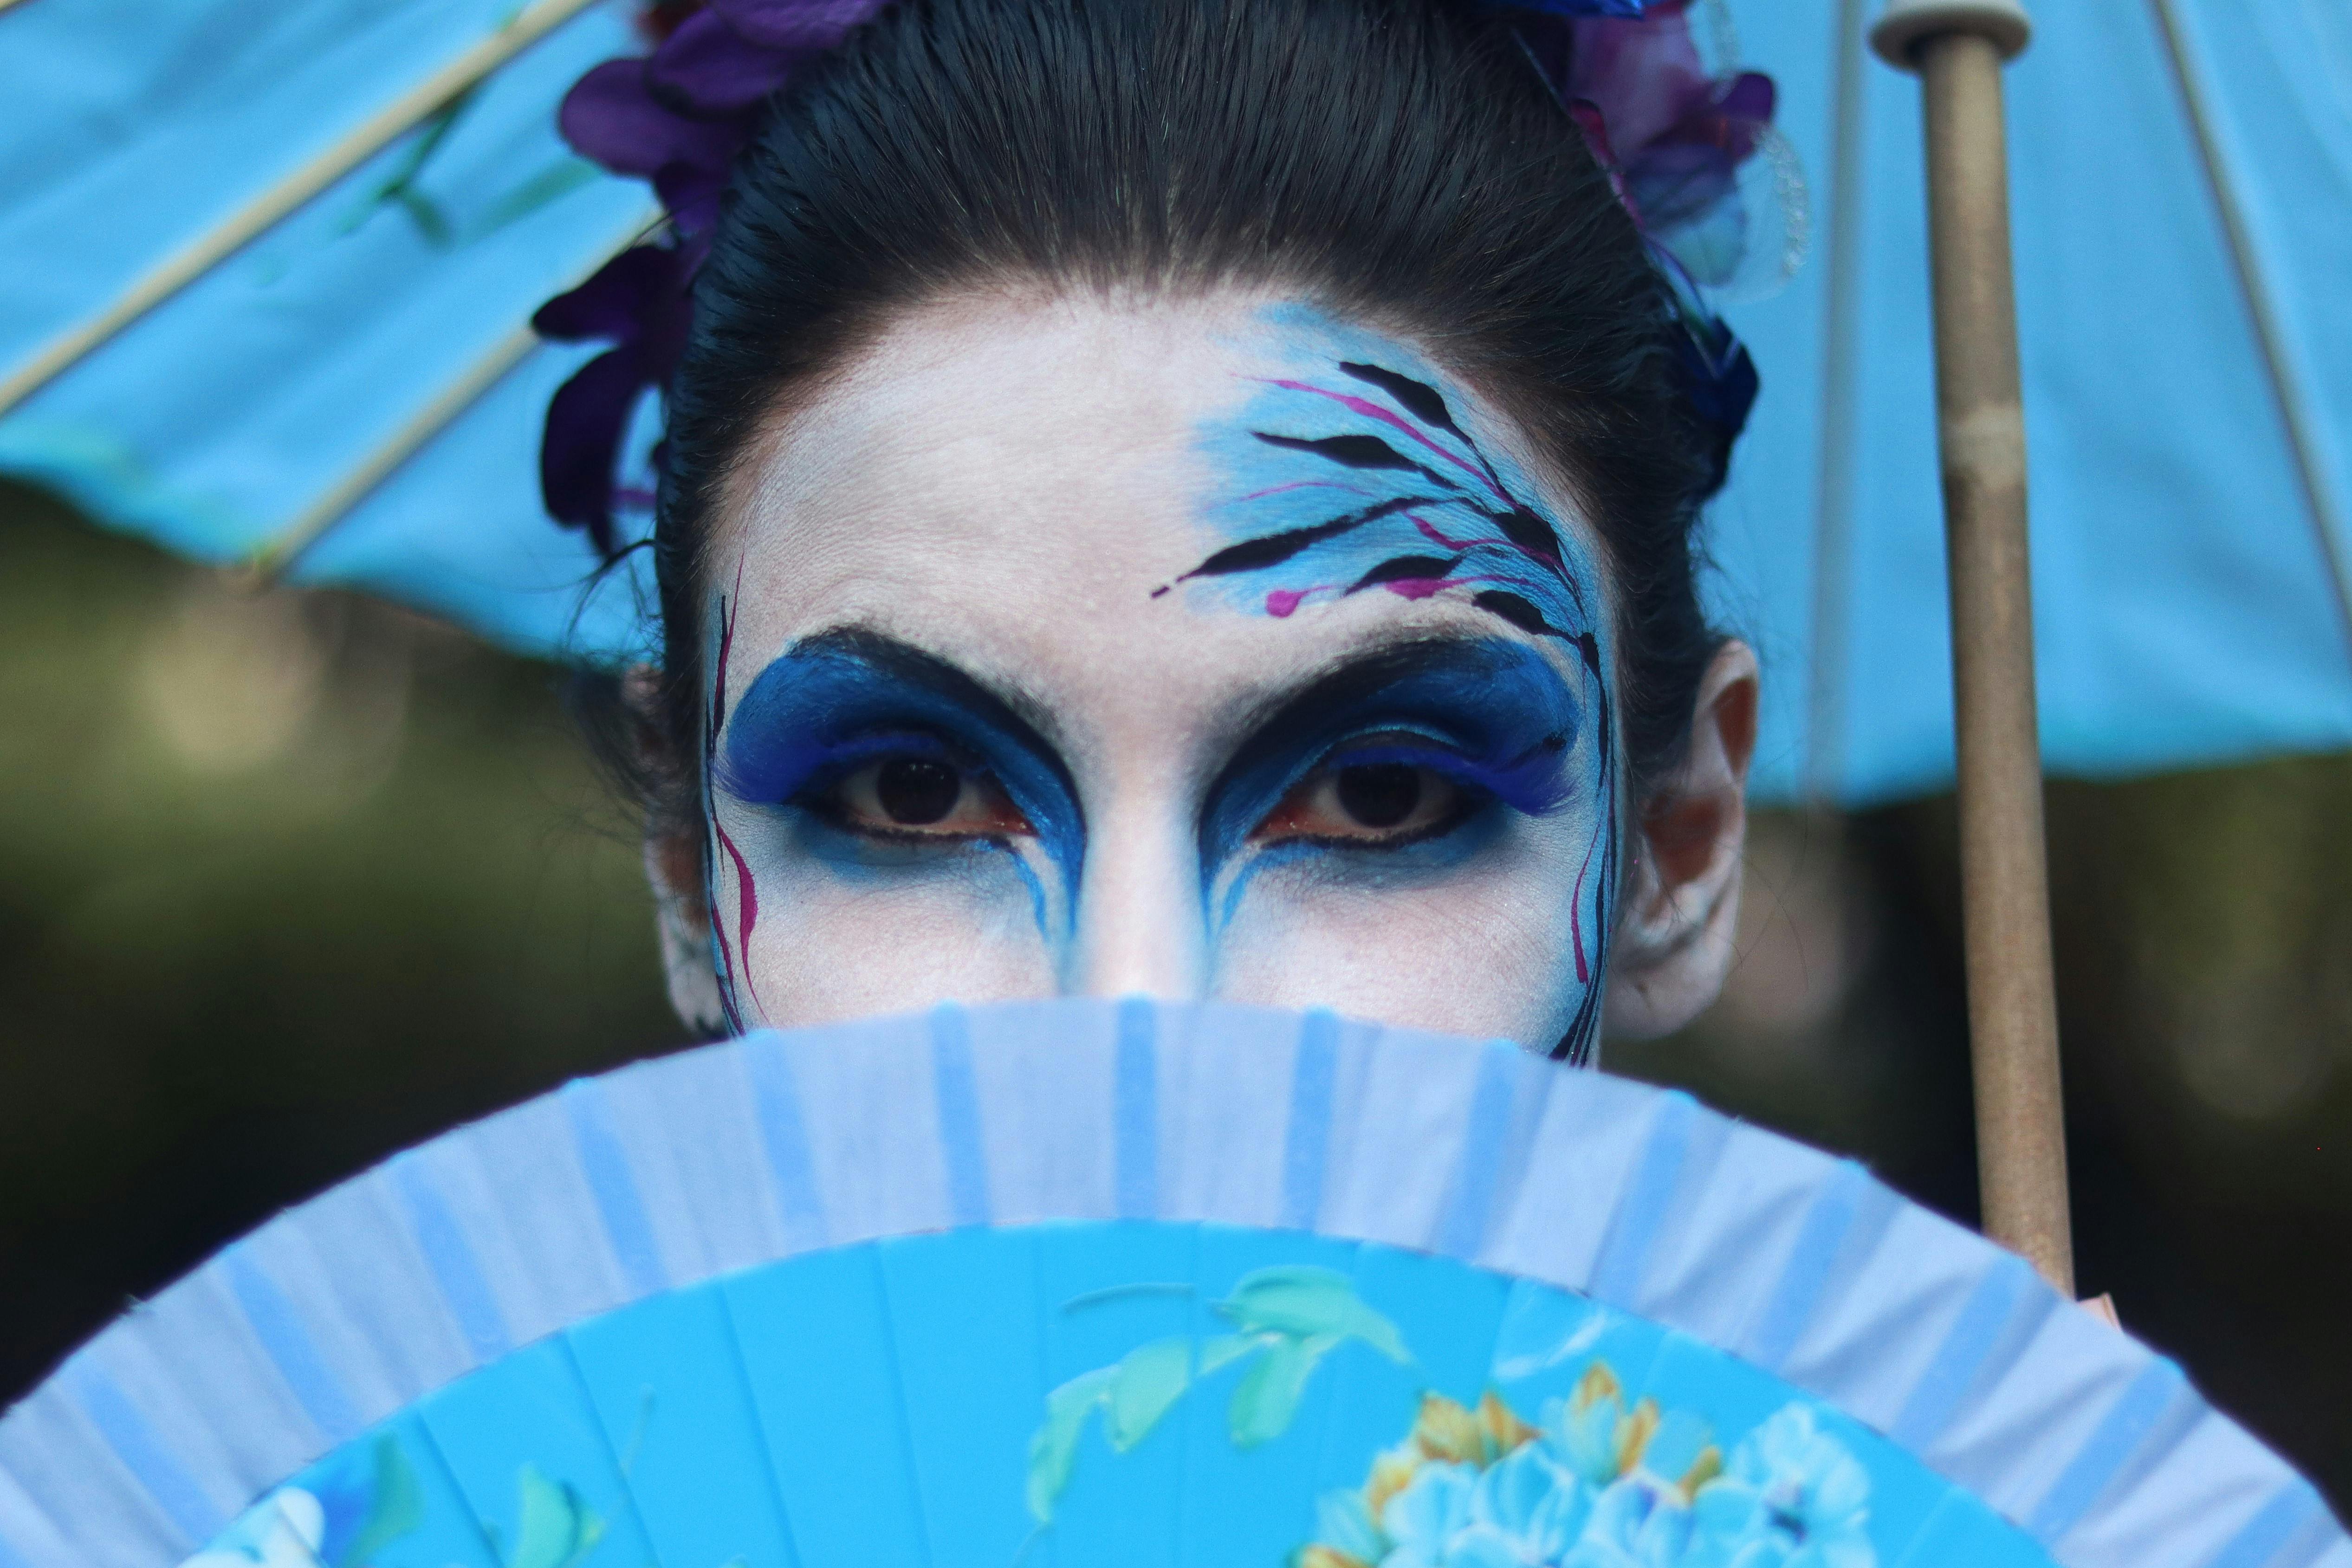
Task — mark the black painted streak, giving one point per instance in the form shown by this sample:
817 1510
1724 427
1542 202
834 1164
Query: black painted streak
1255 554
1523 527
1350 451
1518 611
1418 398
1580 1043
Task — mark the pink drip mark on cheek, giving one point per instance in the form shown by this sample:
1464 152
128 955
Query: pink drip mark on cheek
747 892
747 912
1603 839
1576 915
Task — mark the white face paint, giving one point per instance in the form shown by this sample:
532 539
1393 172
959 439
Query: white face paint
1202 648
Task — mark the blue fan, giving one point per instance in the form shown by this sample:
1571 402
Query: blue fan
1072 1283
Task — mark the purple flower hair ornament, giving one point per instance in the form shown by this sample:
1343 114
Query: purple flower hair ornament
676 118
1672 137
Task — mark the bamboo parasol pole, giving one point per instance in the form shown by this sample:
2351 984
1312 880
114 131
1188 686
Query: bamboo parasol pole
1958 47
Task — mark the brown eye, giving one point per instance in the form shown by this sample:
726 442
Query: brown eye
1379 794
924 797
914 793
1371 805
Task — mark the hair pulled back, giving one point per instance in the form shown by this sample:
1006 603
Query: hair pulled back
1401 163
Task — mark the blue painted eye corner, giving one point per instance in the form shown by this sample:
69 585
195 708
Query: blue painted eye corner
1377 796
916 795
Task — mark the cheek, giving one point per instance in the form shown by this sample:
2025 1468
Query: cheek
1485 950
835 939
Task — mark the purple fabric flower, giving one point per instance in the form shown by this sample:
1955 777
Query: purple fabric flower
676 118
1672 139
1584 7
638 301
1675 135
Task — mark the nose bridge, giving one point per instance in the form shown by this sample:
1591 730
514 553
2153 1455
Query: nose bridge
1139 915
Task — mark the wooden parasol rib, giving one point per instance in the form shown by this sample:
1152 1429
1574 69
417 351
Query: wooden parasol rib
257 216
276 555
2287 384
1957 47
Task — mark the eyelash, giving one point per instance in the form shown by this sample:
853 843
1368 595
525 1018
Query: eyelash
1423 755
820 796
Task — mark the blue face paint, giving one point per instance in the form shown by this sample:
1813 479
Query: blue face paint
1350 470
841 701
1490 715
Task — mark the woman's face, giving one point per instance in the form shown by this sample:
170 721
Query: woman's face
1212 649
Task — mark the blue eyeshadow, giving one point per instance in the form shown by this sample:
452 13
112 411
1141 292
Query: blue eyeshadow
836 702
1490 713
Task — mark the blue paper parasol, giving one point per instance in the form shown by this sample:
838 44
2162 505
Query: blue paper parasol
272 268
365 200
1081 1282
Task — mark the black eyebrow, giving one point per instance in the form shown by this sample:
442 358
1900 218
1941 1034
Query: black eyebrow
1022 718
1270 724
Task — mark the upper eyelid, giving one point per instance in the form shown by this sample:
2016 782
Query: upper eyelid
881 681
1411 746
845 757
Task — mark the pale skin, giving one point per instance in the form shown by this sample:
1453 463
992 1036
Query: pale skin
1007 510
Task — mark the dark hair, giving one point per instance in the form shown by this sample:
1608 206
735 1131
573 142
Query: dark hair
1401 163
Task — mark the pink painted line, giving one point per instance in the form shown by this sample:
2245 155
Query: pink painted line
1576 918
1371 410
1299 485
1429 531
747 912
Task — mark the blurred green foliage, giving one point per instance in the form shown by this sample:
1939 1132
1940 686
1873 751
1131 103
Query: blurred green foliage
289 881
286 883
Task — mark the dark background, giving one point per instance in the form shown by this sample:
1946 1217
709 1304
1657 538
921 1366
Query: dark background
288 882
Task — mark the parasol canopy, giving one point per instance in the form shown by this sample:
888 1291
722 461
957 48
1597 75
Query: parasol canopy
366 199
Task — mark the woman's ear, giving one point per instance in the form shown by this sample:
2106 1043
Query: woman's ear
1681 897
674 871
682 916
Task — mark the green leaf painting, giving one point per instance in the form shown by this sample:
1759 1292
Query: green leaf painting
1270 1391
557 1527
1055 1445
395 1505
1149 1379
1301 1300
402 187
1284 1319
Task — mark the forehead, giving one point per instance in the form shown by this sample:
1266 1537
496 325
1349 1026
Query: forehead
1011 478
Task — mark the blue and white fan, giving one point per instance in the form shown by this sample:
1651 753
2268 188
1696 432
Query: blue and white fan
1086 1283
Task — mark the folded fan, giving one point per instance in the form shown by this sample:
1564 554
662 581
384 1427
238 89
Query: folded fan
1078 1282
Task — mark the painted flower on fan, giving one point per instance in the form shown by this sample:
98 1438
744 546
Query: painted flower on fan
1592 1431
288 1529
1599 1484
1791 1497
